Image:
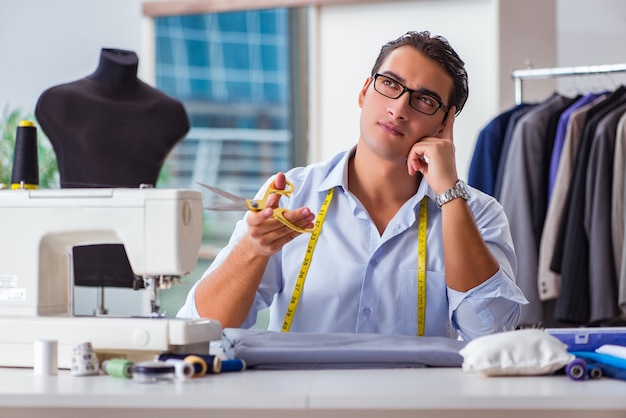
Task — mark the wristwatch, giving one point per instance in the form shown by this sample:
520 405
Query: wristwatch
459 190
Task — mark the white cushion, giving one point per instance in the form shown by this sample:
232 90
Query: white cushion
521 352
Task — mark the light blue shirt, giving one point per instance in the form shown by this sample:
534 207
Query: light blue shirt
362 282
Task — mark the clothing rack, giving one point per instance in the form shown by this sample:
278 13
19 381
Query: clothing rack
520 75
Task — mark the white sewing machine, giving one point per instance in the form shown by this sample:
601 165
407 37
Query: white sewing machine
161 230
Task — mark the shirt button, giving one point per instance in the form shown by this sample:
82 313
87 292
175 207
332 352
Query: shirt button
367 311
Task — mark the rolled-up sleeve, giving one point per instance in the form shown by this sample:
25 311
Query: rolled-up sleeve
492 306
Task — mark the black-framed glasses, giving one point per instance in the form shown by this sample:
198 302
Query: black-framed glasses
422 102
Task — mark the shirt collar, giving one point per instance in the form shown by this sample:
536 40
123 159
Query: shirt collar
338 176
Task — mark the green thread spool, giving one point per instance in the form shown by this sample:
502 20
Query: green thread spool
118 367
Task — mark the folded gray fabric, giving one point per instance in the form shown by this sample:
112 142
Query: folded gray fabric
294 350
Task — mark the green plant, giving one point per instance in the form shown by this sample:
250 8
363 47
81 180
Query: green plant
47 163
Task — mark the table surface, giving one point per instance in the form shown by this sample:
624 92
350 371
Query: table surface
445 392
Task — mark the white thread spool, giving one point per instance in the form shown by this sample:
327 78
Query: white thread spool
183 370
84 361
45 357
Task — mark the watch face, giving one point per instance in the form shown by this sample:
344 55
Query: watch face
462 188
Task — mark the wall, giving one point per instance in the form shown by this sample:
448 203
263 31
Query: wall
590 33
479 30
347 56
45 43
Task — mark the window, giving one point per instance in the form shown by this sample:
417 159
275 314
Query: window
234 73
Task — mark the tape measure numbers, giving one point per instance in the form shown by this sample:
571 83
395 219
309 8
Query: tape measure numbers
421 266
308 256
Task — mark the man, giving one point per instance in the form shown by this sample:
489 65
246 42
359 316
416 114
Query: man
381 259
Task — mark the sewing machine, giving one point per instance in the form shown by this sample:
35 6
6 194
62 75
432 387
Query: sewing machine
161 230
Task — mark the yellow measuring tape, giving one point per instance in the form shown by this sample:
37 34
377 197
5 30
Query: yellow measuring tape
421 266
421 262
304 270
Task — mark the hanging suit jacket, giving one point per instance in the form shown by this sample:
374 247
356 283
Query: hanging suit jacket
549 281
561 131
571 254
540 201
486 157
602 274
506 144
519 186
618 205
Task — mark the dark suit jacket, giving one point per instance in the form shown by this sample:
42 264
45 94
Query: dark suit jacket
486 157
571 255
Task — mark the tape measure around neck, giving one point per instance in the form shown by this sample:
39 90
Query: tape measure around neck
421 265
304 269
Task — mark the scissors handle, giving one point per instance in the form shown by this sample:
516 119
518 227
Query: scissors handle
289 188
278 214
260 204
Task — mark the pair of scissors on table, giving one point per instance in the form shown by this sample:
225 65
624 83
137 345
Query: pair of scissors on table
257 205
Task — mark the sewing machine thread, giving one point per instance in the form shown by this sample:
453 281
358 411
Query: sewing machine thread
25 172
183 369
153 372
202 363
84 361
45 357
118 367
233 365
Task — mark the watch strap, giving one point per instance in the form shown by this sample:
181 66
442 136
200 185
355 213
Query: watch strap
458 190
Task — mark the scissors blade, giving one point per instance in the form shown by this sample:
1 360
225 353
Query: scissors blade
230 196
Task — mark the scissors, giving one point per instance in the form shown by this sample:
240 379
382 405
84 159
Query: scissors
257 205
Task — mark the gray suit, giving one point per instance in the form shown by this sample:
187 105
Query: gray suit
602 273
519 185
619 194
548 280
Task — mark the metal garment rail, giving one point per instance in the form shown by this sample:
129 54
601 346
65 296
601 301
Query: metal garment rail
520 75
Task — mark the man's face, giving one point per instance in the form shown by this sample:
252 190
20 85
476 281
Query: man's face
389 127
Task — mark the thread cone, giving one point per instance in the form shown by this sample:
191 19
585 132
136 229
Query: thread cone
25 172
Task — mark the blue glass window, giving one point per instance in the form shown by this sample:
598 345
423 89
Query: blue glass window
231 72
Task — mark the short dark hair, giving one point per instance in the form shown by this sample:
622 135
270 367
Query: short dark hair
438 49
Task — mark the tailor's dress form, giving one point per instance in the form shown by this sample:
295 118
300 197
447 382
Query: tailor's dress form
109 129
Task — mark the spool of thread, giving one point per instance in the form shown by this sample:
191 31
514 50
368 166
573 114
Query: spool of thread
213 363
45 358
233 365
183 370
25 173
84 360
118 367
82 348
153 372
200 366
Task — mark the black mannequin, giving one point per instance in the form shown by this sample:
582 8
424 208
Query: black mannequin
109 129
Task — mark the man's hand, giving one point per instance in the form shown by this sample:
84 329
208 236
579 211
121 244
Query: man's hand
434 157
268 235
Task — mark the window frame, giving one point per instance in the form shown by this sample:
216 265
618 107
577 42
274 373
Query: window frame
180 7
